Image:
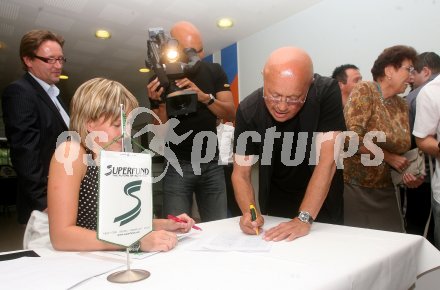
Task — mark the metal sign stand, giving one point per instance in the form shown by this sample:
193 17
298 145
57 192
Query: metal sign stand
129 275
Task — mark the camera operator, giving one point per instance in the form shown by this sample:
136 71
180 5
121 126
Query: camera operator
215 100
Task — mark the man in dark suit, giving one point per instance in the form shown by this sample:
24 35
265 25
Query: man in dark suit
34 117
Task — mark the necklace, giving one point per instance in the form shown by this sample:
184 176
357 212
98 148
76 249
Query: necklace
399 128
382 99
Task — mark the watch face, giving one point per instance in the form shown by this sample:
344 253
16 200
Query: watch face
305 217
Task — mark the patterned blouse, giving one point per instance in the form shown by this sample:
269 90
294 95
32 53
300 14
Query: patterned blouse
88 199
365 111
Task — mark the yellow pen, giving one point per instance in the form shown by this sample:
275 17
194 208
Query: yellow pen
253 215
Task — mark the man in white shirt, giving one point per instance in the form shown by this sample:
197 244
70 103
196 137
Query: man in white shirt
418 208
427 133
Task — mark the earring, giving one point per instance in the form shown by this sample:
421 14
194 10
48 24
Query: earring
388 78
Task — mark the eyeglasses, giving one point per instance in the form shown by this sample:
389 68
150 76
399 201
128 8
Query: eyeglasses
410 69
52 60
289 101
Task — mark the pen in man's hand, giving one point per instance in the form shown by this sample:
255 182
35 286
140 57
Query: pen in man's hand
253 215
176 219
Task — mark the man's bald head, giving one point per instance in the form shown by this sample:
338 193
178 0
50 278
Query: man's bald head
188 35
289 62
288 74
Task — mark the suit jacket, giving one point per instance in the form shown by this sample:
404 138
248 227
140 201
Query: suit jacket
32 125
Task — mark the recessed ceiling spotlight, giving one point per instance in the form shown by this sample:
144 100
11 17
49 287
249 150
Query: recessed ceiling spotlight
144 70
225 23
63 77
102 34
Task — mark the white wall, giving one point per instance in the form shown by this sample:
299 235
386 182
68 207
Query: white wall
335 32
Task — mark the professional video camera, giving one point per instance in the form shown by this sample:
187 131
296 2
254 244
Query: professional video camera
169 64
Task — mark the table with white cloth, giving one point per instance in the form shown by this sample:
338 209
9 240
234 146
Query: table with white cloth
330 257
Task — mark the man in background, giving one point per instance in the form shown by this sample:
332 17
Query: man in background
34 117
418 200
348 76
426 69
215 100
427 133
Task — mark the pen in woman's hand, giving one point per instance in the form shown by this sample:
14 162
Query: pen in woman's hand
176 219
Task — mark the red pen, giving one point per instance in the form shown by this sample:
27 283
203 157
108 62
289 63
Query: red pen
176 219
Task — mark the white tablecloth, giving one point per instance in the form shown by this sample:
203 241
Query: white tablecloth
330 257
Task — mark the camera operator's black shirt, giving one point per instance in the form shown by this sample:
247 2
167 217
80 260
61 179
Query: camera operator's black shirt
210 79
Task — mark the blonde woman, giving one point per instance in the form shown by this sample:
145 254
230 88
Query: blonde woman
72 198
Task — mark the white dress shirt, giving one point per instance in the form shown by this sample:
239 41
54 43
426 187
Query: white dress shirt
225 136
53 93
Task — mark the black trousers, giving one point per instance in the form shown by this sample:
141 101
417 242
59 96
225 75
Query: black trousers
418 205
233 209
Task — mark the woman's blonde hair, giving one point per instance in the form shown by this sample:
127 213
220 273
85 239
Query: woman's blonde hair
96 98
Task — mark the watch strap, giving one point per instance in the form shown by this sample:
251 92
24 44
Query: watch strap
212 99
305 217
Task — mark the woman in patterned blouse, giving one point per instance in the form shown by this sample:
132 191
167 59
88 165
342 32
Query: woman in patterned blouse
379 117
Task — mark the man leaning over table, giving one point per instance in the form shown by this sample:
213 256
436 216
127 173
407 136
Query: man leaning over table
293 101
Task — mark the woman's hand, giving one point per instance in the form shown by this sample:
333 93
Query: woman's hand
398 162
173 226
411 181
158 241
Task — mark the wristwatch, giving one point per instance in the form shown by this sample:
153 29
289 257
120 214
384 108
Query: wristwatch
211 100
305 217
135 247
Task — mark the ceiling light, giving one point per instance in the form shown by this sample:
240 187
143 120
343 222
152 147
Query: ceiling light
225 23
144 70
102 34
63 77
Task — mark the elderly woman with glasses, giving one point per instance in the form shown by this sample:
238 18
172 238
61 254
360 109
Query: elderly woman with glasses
379 117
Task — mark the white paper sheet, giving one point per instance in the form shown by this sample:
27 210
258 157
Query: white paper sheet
236 241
